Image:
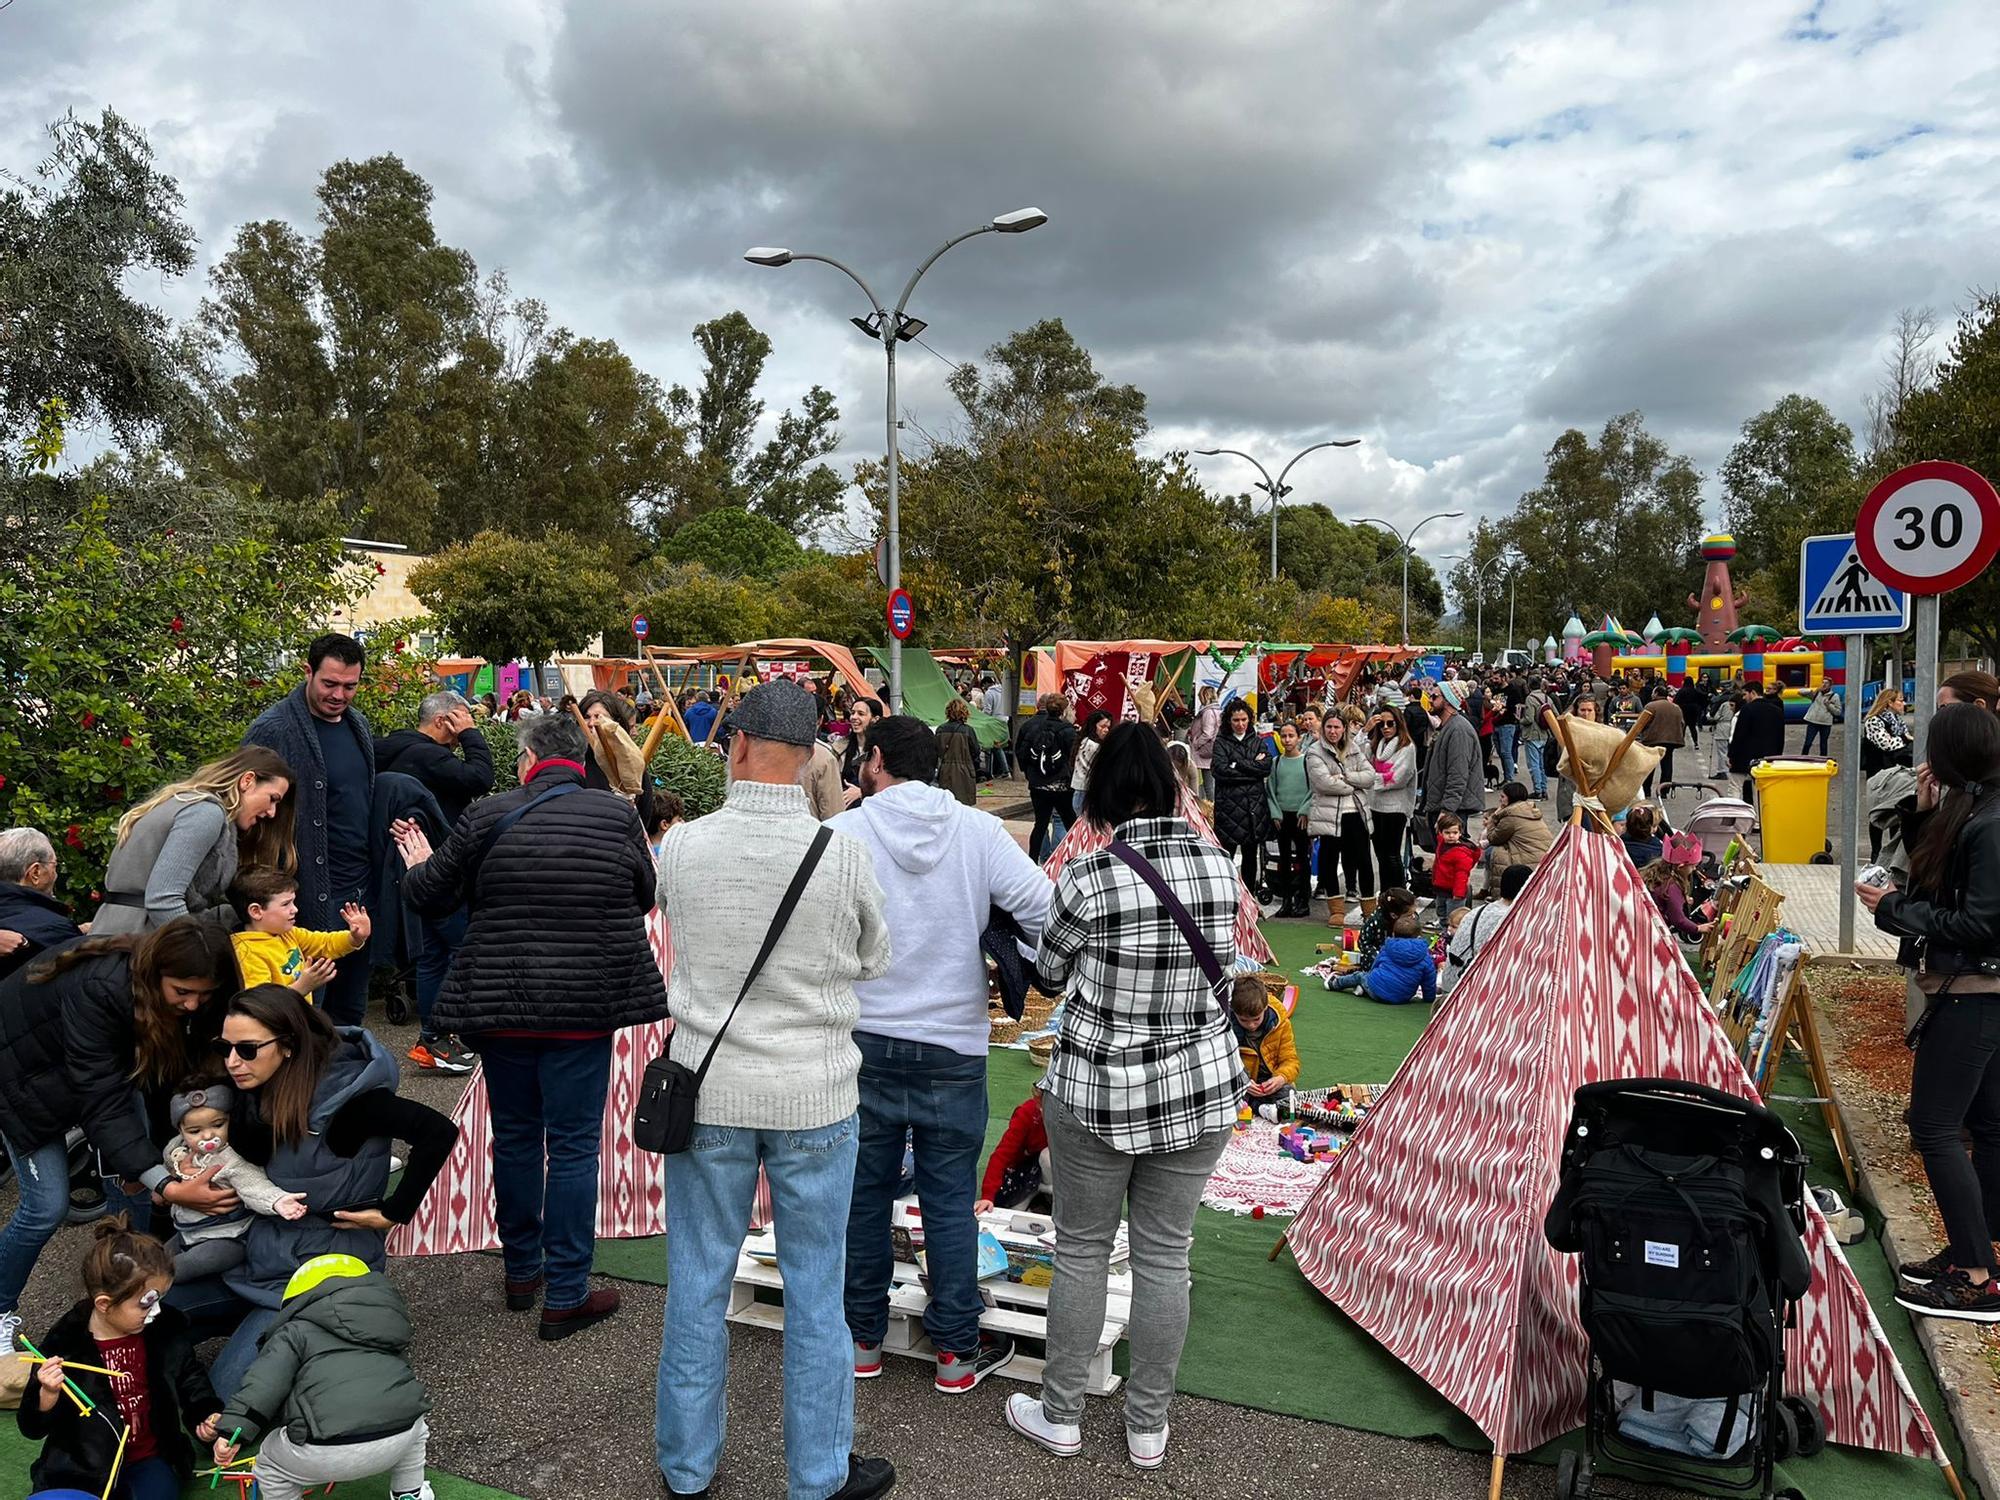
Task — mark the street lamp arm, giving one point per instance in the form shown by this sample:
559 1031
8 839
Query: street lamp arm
918 274
1386 526
1443 515
867 291
1334 443
1269 486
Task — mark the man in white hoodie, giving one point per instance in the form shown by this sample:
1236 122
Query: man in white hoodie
943 867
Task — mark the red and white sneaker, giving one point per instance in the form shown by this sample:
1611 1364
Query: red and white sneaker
867 1360
959 1373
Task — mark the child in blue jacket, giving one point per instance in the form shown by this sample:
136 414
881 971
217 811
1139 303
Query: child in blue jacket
1401 969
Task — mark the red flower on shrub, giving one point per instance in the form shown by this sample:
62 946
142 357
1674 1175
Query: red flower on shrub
125 741
380 570
73 836
89 719
114 794
175 625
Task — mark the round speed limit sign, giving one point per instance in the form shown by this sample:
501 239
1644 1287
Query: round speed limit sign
1929 528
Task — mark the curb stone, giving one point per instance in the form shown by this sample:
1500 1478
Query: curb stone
1962 1371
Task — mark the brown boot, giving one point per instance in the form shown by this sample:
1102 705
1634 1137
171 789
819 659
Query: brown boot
1368 907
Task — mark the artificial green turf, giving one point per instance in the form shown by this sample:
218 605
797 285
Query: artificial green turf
1261 1336
17 1453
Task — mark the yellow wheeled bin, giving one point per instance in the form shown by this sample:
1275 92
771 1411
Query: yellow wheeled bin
1791 807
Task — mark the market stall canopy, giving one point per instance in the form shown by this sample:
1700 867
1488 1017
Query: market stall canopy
926 691
846 670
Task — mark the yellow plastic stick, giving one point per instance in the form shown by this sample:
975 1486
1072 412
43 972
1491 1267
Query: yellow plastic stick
116 1459
70 1364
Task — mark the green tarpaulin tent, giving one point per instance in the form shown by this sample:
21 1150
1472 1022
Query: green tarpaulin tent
925 693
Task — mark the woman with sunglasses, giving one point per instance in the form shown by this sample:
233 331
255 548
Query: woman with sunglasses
316 1109
98 1035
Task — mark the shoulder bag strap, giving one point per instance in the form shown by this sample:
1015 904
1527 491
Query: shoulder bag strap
508 820
1204 955
784 915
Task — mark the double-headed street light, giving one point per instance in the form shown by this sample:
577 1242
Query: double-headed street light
892 326
1406 538
1514 562
1277 489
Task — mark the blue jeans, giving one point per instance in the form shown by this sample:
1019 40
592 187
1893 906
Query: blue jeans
1503 739
547 1098
43 1177
433 942
939 1097
1535 753
150 1479
214 1311
711 1188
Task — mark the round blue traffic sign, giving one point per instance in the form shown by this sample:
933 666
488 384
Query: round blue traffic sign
639 626
902 614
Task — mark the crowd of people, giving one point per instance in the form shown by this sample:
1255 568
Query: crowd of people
207 1037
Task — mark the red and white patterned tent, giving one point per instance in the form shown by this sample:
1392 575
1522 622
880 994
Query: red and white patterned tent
1427 1231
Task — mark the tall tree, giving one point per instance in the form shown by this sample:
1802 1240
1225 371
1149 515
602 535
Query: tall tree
1957 416
1614 526
96 211
1318 551
1039 518
734 544
783 481
1791 475
503 597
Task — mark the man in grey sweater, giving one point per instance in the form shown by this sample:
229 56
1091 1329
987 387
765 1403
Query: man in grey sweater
1453 781
781 1090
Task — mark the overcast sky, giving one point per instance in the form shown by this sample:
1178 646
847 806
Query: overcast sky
1449 228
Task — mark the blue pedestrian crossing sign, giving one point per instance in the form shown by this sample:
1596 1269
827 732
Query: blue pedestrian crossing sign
1839 596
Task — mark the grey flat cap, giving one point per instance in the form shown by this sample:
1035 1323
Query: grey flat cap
780 712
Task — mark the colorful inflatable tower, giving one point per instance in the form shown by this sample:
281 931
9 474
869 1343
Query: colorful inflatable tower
1716 605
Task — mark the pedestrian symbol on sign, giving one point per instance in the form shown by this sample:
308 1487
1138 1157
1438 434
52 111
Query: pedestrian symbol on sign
1851 591
1839 595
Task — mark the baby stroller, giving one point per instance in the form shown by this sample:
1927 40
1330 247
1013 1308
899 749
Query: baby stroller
1718 821
1687 1206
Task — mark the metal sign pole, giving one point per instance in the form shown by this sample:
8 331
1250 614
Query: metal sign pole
1924 608
1851 802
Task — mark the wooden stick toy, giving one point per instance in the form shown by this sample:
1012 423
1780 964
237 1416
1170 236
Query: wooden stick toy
116 1459
70 1364
216 1477
83 1403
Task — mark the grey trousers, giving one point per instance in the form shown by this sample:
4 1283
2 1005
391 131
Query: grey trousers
286 1470
1094 1183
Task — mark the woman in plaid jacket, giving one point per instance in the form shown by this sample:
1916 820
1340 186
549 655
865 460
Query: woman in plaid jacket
1142 1091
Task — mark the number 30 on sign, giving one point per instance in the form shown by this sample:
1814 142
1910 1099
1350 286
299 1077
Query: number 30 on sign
1929 528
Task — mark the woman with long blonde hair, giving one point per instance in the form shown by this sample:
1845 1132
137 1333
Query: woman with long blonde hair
179 849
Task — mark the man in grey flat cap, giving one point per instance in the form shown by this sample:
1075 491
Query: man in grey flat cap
781 1089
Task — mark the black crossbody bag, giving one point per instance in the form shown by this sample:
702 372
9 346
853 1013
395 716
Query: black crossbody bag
663 1122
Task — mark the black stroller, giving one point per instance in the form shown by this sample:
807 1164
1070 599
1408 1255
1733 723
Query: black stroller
1688 1207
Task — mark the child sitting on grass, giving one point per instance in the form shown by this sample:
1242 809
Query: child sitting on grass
1451 869
272 948
1403 967
159 1391
332 1393
1264 1038
1017 1173
1376 926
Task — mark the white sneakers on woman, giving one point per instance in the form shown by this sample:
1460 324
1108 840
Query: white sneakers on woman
1065 1439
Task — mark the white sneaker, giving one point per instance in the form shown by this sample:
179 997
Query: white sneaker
1024 1415
10 1324
1146 1449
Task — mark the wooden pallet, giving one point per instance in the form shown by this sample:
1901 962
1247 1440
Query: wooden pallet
1012 1308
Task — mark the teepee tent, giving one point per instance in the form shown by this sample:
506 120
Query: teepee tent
1428 1229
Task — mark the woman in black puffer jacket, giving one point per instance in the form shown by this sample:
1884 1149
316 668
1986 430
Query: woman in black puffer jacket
1948 916
1241 763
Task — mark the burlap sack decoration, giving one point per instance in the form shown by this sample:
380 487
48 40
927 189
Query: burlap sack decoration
1594 745
624 767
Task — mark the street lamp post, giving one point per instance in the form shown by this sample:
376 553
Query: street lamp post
893 326
1406 538
1277 489
1479 599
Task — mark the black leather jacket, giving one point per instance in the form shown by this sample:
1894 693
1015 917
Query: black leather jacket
1959 931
